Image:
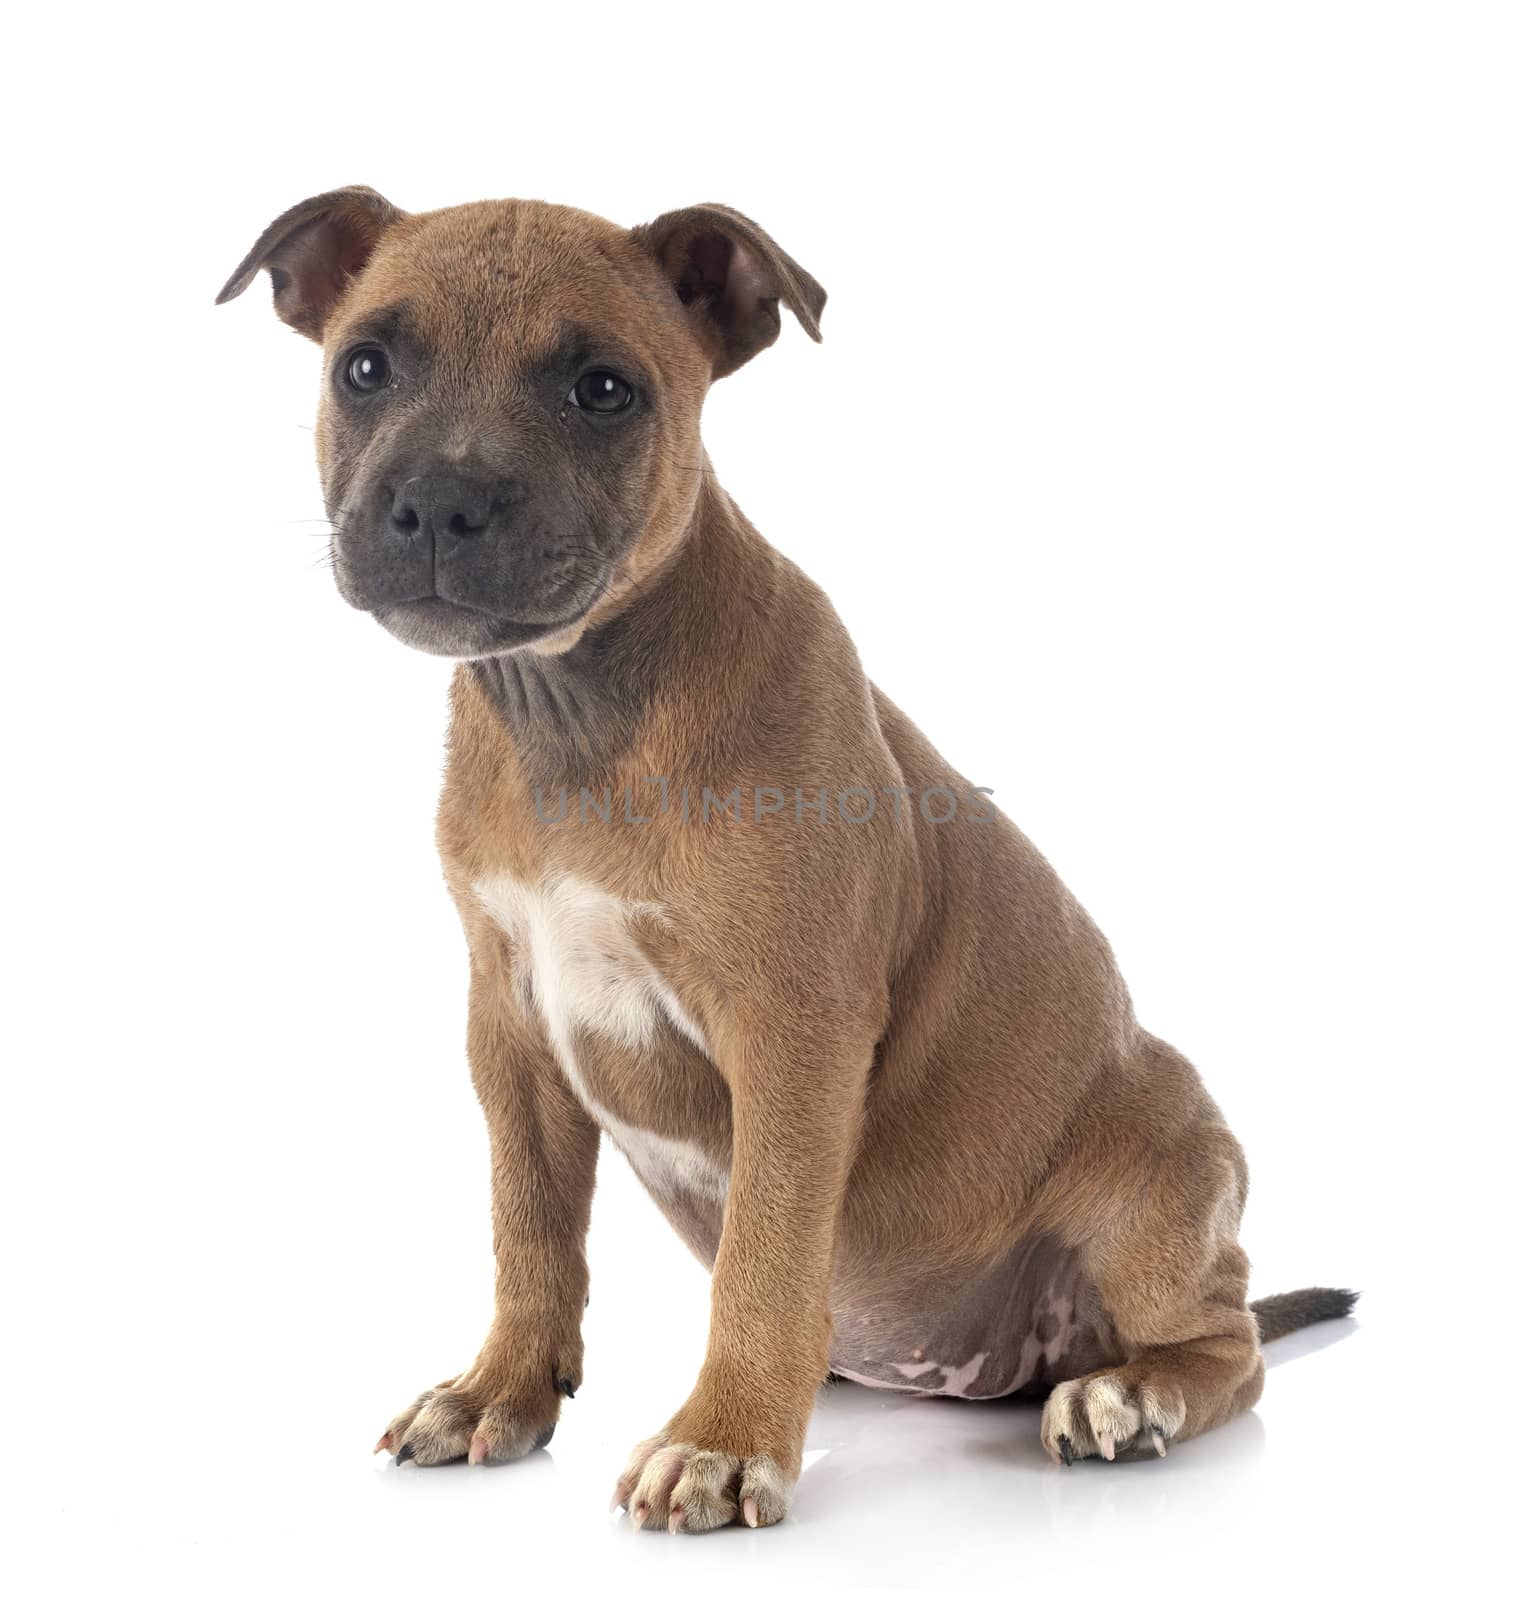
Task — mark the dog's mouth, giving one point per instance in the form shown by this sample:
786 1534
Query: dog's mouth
445 611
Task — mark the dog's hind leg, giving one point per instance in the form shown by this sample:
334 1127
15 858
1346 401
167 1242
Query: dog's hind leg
1172 1283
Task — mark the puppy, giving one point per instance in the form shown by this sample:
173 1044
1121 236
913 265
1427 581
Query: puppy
726 906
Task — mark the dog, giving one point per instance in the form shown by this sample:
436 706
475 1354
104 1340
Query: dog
726 906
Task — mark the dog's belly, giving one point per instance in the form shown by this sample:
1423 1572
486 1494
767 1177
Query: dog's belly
601 1001
1024 1323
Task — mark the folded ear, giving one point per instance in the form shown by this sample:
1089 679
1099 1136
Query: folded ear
313 251
730 275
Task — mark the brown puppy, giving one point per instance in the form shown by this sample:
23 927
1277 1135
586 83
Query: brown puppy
725 904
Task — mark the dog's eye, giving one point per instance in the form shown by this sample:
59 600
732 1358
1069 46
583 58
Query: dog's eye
603 392
368 370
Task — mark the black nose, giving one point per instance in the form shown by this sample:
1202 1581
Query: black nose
445 506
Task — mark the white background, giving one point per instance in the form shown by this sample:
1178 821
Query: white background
1162 455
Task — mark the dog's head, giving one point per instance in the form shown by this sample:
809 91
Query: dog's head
508 432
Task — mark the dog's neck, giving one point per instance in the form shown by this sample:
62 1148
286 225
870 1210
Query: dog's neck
701 632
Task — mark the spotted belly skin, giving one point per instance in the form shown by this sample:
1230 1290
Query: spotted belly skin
1020 1325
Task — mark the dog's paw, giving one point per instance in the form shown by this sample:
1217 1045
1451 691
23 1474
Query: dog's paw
1111 1414
687 1489
474 1417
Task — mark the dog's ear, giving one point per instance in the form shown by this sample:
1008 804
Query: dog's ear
313 252
730 275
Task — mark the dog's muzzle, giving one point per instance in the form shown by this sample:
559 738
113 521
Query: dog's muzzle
463 566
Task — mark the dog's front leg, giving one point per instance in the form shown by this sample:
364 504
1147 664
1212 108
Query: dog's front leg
733 1451
544 1152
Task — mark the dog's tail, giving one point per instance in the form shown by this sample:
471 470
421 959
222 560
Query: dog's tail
1279 1314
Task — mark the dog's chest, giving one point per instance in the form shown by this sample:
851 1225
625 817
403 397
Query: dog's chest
583 974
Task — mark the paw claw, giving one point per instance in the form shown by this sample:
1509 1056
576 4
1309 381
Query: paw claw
688 1488
1114 1414
492 1415
383 1443
567 1388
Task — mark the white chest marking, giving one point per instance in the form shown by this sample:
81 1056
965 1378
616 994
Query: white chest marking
584 973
